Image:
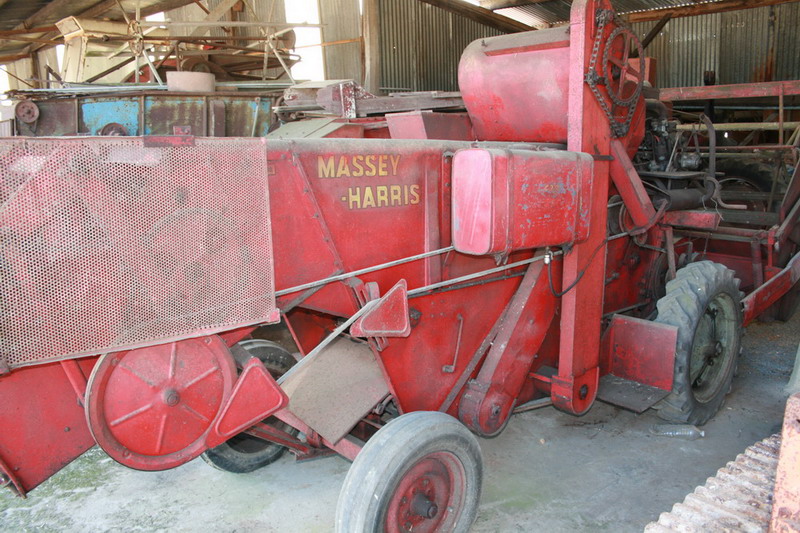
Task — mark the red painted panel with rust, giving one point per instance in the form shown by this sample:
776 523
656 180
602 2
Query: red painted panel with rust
641 351
516 86
741 90
44 426
508 200
786 498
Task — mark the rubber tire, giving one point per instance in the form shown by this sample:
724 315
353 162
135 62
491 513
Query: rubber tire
390 453
685 303
758 174
229 456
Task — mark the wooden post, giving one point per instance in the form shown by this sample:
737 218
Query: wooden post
370 32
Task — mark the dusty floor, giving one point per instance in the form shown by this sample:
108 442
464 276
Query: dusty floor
547 472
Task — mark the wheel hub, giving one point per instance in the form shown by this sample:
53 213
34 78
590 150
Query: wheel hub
427 495
422 506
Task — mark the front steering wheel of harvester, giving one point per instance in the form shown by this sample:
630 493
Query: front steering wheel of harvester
704 302
421 472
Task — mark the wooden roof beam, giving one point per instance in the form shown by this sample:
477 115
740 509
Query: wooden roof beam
480 15
700 9
502 4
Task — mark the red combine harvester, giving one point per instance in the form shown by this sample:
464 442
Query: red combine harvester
538 248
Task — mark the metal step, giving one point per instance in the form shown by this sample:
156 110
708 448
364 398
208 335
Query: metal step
738 498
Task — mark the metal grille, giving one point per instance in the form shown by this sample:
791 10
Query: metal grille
108 244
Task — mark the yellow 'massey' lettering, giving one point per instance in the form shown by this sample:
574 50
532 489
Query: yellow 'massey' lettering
370 162
325 167
357 166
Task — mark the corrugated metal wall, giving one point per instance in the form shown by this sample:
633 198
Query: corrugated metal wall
342 21
421 45
740 46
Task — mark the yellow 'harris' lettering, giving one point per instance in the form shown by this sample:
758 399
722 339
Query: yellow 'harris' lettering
381 196
357 166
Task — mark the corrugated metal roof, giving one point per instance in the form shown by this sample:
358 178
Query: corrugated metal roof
555 11
37 13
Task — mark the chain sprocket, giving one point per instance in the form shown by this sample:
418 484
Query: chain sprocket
594 79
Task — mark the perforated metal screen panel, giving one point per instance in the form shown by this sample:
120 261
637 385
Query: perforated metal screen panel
107 244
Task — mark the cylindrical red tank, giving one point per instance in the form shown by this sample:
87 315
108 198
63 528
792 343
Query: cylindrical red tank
515 86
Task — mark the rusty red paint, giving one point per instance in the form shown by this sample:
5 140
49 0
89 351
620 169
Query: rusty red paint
786 497
640 350
507 200
742 90
501 110
770 292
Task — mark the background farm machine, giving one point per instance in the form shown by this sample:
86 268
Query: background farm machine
558 243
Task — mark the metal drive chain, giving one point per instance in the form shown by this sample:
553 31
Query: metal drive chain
592 78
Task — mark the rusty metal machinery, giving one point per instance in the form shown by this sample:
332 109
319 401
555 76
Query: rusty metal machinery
759 491
435 271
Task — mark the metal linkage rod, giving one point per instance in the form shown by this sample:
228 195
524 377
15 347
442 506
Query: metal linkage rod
366 270
327 340
446 283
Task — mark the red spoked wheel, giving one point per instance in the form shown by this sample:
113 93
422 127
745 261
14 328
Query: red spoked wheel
420 472
151 408
624 77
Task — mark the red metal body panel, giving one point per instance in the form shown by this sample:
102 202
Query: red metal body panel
490 397
770 292
430 125
531 105
44 424
639 350
505 200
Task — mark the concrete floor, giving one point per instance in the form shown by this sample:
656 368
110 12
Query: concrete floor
547 472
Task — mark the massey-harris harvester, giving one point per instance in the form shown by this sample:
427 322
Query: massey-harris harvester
542 249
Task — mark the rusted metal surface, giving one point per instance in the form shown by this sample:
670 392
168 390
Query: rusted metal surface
150 113
786 501
347 99
738 498
742 90
346 371
502 199
753 45
770 292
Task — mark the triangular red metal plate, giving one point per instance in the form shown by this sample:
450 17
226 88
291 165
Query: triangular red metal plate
389 317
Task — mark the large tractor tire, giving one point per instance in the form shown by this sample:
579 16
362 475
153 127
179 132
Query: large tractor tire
244 453
704 303
421 472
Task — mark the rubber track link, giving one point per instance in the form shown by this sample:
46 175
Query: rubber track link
738 498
